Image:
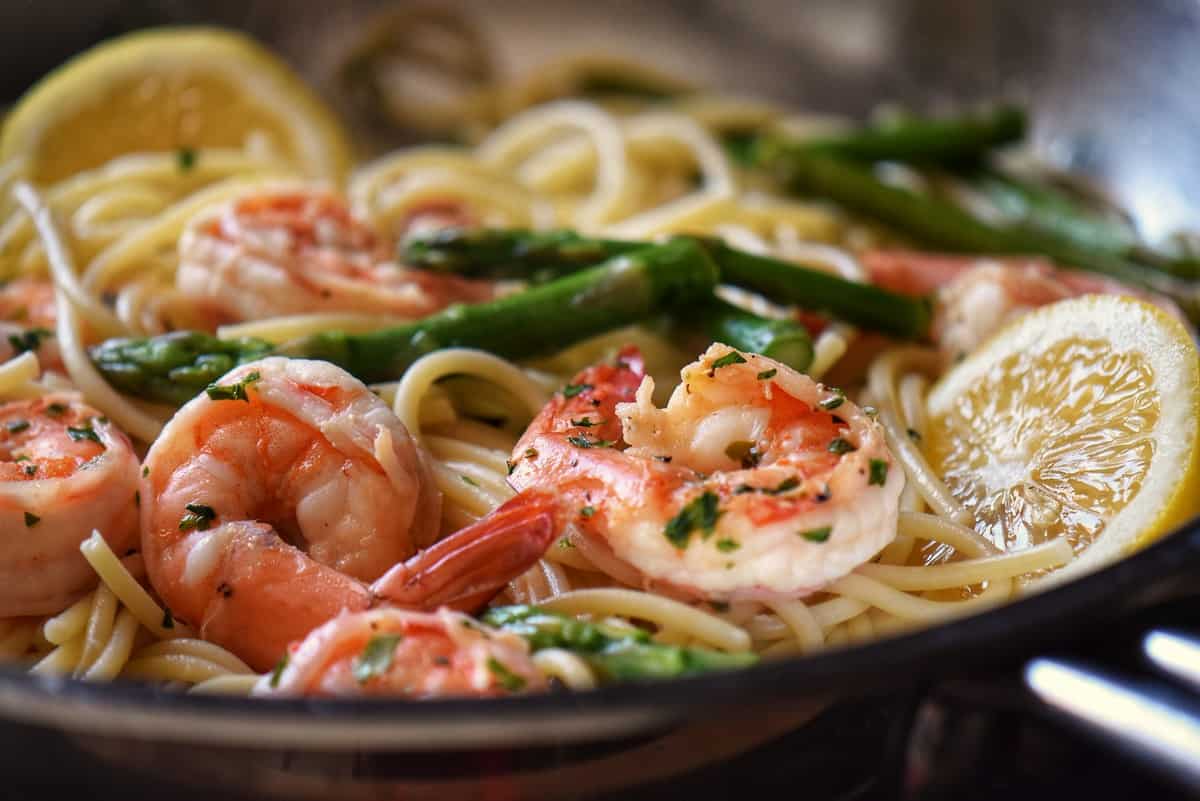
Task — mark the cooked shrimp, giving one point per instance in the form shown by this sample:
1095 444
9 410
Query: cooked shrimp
28 316
976 296
754 482
400 653
298 251
64 471
272 500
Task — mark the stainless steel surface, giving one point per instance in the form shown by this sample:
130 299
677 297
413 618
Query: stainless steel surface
1152 722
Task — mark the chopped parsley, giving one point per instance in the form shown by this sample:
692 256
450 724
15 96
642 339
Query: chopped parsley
233 391
198 518
531 453
507 679
586 422
913 434
870 411
16 426
277 671
840 446
744 453
565 543
787 485
145 472
584 442
29 340
510 466
879 471
56 409
733 357
817 534
137 498
571 390
765 374
700 513
31 469
168 621
829 404
727 545
185 159
22 458
80 433
31 520
376 657
587 511
470 482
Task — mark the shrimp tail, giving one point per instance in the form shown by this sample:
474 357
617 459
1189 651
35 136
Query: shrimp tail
465 570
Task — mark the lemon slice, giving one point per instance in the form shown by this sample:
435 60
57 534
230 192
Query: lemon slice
171 89
1079 420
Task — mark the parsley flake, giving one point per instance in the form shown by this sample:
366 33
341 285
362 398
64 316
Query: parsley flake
765 374
700 513
31 520
587 511
56 409
29 340
840 446
744 453
233 391
470 482
16 426
829 404
31 469
817 534
913 434
80 433
506 678
198 518
277 671
584 442
168 621
727 545
571 390
376 657
586 422
879 471
185 159
733 357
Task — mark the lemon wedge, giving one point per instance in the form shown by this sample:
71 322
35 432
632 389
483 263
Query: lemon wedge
171 89
1079 420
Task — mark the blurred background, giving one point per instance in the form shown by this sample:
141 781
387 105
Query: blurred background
1111 83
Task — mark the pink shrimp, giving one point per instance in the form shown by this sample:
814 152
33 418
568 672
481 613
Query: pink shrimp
298 251
978 295
291 493
64 471
395 652
28 316
754 482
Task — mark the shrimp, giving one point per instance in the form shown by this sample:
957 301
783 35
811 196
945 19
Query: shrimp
271 503
755 482
298 251
64 471
28 316
977 296
401 653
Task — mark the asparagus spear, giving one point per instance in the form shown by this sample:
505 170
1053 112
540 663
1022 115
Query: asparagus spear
920 140
785 341
945 226
615 653
626 288
510 253
1058 213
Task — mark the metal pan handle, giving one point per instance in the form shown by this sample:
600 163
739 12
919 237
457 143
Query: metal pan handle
1154 718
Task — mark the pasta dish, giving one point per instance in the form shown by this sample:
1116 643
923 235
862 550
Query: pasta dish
617 380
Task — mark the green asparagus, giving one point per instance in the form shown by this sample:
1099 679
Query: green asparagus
616 653
943 225
623 290
786 341
495 253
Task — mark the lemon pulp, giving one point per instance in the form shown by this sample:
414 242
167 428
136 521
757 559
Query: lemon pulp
1049 444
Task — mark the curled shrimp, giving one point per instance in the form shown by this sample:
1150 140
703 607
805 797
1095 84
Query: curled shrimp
401 653
64 471
28 316
290 492
300 250
754 482
977 296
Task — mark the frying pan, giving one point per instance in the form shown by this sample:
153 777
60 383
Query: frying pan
1111 87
